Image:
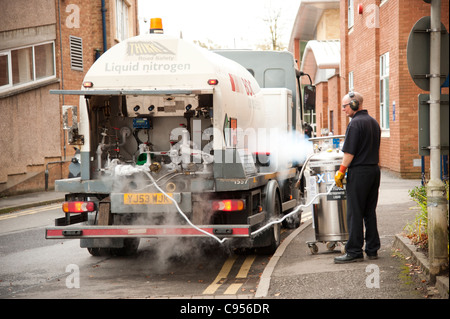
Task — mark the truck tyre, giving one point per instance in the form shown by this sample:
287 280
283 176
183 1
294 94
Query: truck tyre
130 247
273 207
96 252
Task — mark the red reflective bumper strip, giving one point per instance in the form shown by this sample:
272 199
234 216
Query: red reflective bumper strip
144 231
53 233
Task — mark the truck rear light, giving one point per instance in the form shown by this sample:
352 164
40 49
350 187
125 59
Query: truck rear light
213 81
78 207
228 205
88 84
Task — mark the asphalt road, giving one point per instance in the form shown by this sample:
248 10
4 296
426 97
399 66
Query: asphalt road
33 267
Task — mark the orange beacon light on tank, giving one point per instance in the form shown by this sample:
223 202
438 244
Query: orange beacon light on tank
156 25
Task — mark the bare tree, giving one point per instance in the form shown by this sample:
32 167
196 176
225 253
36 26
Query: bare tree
273 21
210 45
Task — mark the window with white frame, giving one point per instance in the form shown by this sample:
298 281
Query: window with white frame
121 20
44 61
26 65
384 91
350 13
350 81
4 69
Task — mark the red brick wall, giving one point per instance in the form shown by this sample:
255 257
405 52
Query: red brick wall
297 52
91 31
321 107
407 90
361 47
328 99
44 135
334 104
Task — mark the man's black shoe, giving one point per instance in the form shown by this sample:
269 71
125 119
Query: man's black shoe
372 257
346 258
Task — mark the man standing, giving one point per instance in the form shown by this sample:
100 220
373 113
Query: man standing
361 156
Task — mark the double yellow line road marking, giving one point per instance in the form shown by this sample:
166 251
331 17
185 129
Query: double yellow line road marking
224 272
30 211
243 271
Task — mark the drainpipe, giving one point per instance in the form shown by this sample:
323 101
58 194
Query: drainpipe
62 67
105 47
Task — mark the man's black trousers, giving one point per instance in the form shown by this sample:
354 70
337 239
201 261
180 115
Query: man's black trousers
363 183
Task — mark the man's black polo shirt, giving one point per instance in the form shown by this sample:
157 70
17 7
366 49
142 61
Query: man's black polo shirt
362 139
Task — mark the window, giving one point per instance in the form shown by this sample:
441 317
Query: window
121 20
4 69
22 65
332 121
351 86
350 13
384 91
43 55
26 65
274 78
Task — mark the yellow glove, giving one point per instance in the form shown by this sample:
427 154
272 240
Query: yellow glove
340 174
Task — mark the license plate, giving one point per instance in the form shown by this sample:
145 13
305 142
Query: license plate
146 199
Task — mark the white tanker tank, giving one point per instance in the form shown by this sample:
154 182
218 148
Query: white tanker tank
173 141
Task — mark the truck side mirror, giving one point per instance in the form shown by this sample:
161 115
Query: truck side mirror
309 94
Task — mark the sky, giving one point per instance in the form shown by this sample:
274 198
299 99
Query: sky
230 24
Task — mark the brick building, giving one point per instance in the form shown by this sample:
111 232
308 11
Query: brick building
373 39
315 45
47 45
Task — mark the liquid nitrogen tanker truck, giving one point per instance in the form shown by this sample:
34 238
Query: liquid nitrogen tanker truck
177 140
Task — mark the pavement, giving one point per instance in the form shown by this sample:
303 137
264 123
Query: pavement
294 272
23 201
400 272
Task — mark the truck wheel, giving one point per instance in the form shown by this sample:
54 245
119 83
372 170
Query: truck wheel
274 212
94 251
130 247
